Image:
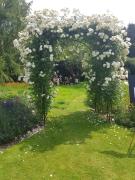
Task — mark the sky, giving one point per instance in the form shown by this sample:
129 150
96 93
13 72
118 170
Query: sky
123 9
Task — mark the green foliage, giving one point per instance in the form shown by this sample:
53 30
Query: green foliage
15 119
12 13
102 96
123 99
3 75
126 118
71 50
125 112
70 57
69 68
41 76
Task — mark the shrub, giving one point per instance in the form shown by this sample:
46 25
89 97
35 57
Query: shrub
15 119
124 112
126 118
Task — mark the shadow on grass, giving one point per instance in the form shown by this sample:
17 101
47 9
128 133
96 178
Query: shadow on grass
68 129
118 154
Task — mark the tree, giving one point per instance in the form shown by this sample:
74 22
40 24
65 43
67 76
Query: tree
131 35
12 14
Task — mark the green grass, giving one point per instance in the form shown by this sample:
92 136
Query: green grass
76 145
12 89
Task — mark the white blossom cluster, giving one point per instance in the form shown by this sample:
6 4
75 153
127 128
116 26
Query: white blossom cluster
104 31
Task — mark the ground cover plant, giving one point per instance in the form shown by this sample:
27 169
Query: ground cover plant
76 144
17 117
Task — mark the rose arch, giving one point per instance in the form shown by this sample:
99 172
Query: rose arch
103 65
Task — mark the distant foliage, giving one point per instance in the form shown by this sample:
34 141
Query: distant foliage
12 14
69 68
126 118
125 111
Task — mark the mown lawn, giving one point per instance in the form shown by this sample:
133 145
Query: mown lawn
10 90
76 145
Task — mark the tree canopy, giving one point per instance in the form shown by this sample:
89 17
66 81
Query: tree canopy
12 13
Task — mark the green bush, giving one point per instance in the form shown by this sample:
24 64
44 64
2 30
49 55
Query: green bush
15 119
126 118
125 112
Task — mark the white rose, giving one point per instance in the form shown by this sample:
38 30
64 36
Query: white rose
51 57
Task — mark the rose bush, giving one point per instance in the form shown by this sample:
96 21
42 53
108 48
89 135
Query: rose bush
43 38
